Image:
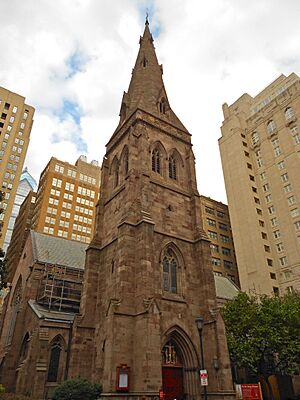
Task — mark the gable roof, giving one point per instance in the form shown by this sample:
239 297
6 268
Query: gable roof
53 250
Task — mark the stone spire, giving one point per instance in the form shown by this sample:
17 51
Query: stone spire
146 89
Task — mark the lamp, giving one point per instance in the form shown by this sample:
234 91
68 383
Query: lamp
200 325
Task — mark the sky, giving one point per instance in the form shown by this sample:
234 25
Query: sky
72 60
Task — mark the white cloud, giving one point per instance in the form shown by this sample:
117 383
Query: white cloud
212 53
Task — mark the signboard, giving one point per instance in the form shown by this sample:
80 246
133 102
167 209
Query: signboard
122 378
161 394
249 391
204 377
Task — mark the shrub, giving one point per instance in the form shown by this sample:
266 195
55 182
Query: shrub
77 389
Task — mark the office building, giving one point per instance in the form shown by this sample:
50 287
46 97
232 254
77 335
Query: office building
16 118
66 199
216 223
260 151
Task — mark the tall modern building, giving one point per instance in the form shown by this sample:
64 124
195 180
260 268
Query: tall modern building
26 184
260 151
66 199
216 223
16 120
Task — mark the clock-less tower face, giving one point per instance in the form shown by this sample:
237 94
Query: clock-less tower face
148 273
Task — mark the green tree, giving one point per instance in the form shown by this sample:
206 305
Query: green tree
263 334
2 254
77 389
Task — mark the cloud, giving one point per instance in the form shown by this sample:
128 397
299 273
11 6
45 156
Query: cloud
73 61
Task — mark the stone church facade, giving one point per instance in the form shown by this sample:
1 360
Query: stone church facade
148 274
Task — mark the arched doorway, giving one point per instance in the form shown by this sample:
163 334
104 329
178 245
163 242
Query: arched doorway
172 372
180 365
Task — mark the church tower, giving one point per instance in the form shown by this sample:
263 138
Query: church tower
148 274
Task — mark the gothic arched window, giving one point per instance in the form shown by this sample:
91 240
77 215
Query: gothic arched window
24 347
115 172
156 164
15 306
54 360
169 271
172 168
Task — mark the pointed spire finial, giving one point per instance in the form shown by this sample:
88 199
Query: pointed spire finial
147 15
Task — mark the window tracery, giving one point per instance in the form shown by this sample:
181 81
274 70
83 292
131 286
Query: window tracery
172 167
156 160
170 265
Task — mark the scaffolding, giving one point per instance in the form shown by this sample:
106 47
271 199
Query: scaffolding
60 288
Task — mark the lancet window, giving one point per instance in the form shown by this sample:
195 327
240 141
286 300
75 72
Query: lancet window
172 168
170 266
156 160
53 368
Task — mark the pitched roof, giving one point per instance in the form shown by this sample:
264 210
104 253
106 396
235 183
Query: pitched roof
53 250
146 88
225 288
51 315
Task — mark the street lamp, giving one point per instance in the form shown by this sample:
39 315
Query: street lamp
200 324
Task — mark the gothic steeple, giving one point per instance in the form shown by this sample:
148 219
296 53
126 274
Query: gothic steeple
146 89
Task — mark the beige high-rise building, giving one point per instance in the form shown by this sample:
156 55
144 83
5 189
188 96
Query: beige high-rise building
66 199
16 120
260 151
216 223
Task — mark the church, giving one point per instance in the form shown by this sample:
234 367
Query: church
147 273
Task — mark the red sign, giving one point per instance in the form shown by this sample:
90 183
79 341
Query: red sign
161 394
204 377
251 391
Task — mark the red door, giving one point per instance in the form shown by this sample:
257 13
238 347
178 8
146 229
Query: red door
172 383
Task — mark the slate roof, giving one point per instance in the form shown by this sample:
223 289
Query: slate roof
225 288
53 250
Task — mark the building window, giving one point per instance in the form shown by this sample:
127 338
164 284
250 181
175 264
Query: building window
267 248
214 247
297 138
259 211
220 214
287 188
211 222
262 176
53 368
289 114
261 223
291 200
294 212
264 235
222 226
228 264
255 138
268 198
277 151
209 210
270 262
274 221
266 187
297 225
271 210
156 161
279 247
283 261
59 168
276 234
226 251
281 165
172 168
170 266
216 261
271 127
272 275
284 177
212 235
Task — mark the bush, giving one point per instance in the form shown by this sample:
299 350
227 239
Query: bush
77 389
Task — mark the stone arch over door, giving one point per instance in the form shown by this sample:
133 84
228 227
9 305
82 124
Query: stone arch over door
186 358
